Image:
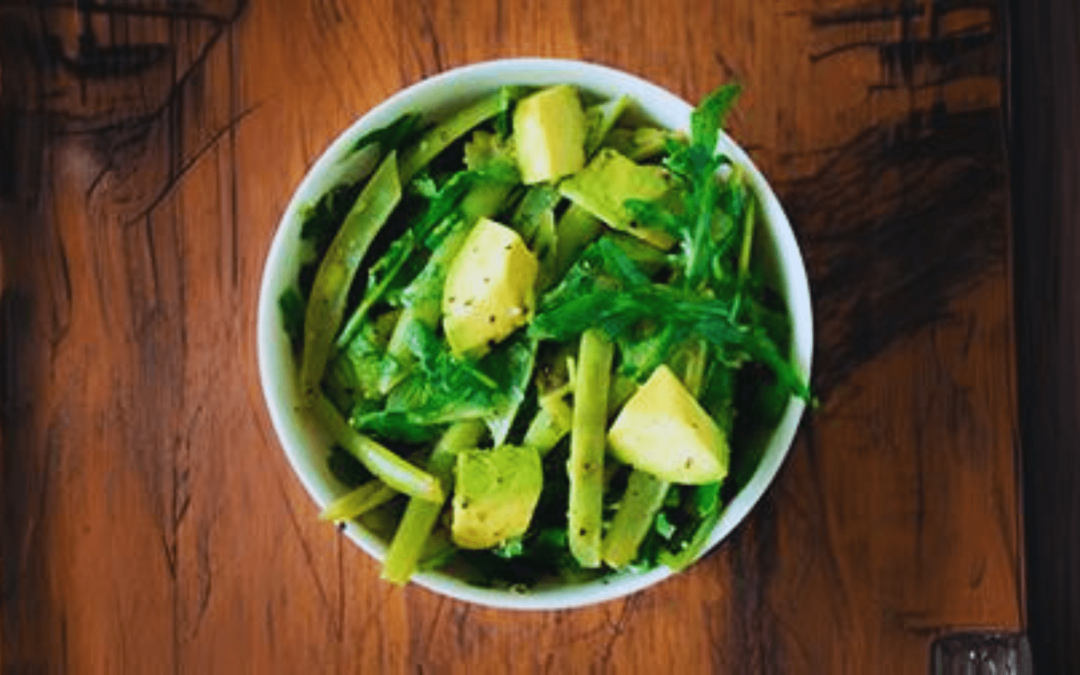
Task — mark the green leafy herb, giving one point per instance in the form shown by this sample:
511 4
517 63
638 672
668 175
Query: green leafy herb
347 469
292 307
394 136
321 221
395 426
663 526
511 548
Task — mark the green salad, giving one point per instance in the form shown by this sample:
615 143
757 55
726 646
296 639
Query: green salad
540 337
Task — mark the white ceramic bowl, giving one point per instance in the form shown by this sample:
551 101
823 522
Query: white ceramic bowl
305 443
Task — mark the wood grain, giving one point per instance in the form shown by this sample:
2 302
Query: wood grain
150 521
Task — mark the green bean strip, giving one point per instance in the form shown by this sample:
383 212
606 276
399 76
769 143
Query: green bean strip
552 421
587 439
370 495
643 498
352 326
622 388
421 515
448 131
379 460
603 117
335 274
576 230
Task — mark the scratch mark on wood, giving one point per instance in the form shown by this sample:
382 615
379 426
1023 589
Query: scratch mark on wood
339 626
234 181
204 578
864 14
617 630
60 292
424 648
160 9
165 190
428 31
305 548
168 549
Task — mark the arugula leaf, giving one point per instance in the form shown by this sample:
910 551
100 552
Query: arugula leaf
511 548
393 136
565 314
511 367
321 221
663 526
292 307
445 389
537 204
381 274
708 118
353 374
395 426
508 96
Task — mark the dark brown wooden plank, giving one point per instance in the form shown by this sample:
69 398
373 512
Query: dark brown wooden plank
1045 133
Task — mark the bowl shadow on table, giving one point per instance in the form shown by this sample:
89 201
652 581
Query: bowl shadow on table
886 262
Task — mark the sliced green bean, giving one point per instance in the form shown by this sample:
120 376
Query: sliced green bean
602 117
335 274
379 460
643 498
370 495
448 131
622 388
421 515
576 230
552 421
555 417
373 295
587 439
641 144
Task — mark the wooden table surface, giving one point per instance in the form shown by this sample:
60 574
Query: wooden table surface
150 521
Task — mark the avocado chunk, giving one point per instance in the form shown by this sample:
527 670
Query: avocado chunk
664 431
603 187
639 144
549 134
495 493
490 289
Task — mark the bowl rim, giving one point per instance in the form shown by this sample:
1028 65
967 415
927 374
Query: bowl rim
533 70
